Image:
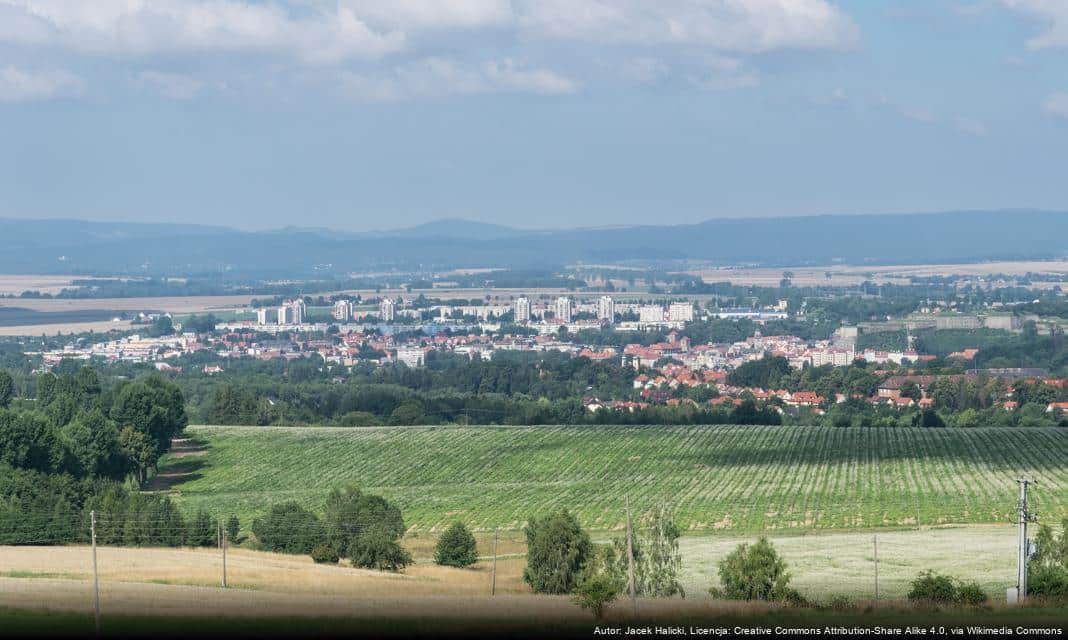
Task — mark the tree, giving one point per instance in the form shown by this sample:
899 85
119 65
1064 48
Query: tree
233 528
933 588
377 549
928 418
289 528
662 560
351 514
597 592
7 389
754 572
456 547
557 552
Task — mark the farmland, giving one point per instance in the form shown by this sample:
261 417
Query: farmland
722 479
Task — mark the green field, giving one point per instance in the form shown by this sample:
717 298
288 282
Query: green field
730 479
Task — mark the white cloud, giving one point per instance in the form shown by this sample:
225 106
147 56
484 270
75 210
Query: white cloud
143 27
17 85
432 14
437 77
1052 13
742 26
1057 104
172 85
375 42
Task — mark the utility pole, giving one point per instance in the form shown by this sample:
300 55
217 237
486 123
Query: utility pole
630 561
493 580
1023 544
875 544
96 579
222 546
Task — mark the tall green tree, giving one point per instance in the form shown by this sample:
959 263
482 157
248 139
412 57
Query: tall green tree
557 552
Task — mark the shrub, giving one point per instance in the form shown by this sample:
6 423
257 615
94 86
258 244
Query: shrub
597 592
456 547
1048 581
377 549
755 572
557 552
289 528
970 593
933 588
325 554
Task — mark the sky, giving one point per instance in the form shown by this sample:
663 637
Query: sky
377 114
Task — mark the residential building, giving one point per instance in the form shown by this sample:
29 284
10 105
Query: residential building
563 309
651 313
606 309
412 356
262 314
681 311
387 309
521 310
343 310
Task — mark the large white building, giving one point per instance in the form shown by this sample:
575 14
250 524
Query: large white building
388 310
563 309
521 310
651 313
291 312
343 310
681 312
263 315
412 356
606 309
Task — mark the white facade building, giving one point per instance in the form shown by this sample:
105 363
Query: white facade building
388 310
262 315
681 311
563 309
412 356
606 309
343 310
521 310
651 313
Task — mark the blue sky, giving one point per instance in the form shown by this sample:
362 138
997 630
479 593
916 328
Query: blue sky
371 114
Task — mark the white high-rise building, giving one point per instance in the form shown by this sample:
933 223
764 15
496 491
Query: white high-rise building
563 309
388 310
521 310
343 310
606 309
262 314
681 311
285 313
300 311
292 312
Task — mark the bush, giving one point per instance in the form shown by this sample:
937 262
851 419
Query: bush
1048 581
755 572
289 528
933 588
325 554
378 550
970 593
456 547
557 552
597 592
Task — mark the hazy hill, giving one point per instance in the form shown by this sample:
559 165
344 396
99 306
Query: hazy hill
72 246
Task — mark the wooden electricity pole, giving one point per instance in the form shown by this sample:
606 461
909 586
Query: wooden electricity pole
875 544
630 561
96 578
493 582
222 546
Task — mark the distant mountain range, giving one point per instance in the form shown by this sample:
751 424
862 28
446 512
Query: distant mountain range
77 246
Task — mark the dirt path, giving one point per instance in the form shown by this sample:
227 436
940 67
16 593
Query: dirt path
188 457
